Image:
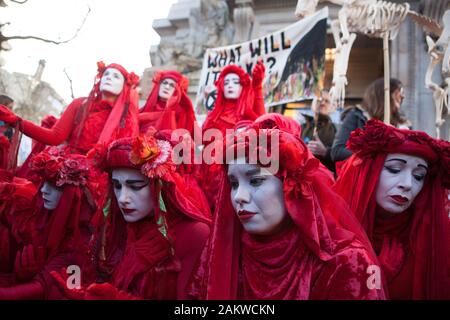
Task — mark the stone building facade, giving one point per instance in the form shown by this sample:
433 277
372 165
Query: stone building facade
192 26
33 97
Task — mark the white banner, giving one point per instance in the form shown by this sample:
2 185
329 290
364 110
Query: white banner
294 58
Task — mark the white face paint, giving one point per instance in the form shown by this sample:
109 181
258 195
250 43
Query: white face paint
401 180
166 88
51 195
257 197
112 81
232 87
132 193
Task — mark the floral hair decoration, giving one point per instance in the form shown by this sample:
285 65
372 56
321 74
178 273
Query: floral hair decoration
377 137
56 166
153 155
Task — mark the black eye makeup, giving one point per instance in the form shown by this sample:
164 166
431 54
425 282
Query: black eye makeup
257 181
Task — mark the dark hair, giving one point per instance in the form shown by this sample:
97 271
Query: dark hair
373 100
5 100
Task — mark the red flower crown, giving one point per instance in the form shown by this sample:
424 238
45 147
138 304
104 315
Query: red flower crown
153 155
54 165
379 138
130 77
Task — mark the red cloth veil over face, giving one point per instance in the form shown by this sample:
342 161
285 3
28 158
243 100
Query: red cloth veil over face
227 113
422 229
322 254
122 121
179 102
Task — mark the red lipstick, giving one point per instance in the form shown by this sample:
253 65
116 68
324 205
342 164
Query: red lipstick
245 215
399 199
128 211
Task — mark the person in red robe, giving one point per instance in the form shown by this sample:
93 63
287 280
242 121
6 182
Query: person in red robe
168 105
239 98
397 183
55 232
113 100
282 234
154 232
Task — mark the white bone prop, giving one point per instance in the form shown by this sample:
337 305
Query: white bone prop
374 18
439 52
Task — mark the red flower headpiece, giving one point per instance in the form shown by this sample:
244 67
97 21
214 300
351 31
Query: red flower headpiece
146 152
377 137
130 77
295 164
54 165
153 155
233 68
182 81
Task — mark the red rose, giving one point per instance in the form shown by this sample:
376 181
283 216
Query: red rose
46 165
74 171
374 138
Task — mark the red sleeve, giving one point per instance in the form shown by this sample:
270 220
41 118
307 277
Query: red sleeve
59 132
345 277
145 117
32 290
167 121
258 105
190 239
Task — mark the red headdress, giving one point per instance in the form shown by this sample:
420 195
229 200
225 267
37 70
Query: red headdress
237 265
423 227
122 120
179 102
278 121
242 110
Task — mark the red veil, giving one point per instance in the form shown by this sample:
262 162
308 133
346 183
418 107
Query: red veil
324 254
423 228
158 113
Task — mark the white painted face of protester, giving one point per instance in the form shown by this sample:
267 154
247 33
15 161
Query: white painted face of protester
257 197
166 88
112 81
401 180
232 87
132 193
51 195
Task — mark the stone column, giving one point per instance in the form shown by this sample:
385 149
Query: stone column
244 20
